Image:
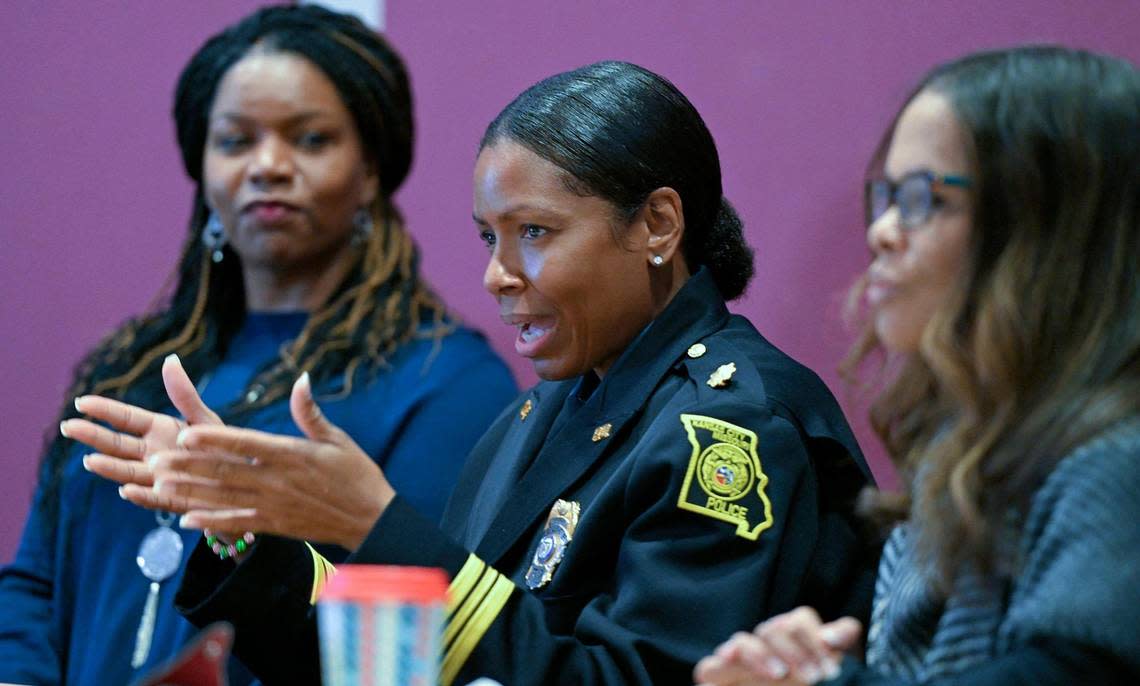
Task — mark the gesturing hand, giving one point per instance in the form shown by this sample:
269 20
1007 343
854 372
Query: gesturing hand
787 650
121 451
321 488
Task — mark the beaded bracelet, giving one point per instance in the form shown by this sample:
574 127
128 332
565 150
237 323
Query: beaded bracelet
229 550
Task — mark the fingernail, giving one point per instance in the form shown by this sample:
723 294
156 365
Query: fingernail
776 668
63 429
188 522
829 636
181 440
830 668
123 492
304 380
76 403
157 487
86 463
172 357
809 673
151 460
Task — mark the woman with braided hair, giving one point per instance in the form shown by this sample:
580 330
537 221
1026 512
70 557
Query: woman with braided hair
295 125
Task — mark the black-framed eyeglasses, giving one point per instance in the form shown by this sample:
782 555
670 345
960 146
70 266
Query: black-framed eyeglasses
916 196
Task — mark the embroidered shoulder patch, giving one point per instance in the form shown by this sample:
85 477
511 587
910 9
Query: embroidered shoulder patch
724 479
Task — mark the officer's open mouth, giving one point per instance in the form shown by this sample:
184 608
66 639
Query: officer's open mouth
530 333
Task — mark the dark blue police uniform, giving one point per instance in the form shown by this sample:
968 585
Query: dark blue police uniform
610 531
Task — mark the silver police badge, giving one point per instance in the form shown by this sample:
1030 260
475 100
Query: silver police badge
559 531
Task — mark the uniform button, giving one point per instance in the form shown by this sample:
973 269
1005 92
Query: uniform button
696 350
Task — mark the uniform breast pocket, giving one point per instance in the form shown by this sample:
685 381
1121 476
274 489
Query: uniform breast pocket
562 611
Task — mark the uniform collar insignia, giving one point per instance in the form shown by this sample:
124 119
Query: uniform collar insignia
722 375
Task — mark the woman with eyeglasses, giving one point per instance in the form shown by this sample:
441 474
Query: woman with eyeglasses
1004 297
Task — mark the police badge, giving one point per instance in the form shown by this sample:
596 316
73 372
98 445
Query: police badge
724 480
560 525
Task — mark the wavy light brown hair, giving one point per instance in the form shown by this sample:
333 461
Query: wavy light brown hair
1038 347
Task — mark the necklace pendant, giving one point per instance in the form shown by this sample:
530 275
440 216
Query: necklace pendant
159 556
145 633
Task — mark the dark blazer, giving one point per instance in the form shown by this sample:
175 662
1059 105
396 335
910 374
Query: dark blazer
707 498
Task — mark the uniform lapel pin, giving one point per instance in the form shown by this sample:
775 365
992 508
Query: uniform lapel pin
722 375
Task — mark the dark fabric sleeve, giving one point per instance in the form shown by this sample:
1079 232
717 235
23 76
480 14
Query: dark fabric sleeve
1082 551
266 598
845 565
28 652
1054 662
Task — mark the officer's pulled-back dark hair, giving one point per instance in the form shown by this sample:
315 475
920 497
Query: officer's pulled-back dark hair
621 132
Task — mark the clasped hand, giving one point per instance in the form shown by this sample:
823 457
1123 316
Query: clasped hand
321 488
787 650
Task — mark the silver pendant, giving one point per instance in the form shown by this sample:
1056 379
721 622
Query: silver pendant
160 555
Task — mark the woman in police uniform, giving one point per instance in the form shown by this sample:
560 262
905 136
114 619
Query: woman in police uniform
674 478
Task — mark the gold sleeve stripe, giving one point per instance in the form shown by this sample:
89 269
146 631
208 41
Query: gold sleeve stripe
468 606
477 596
323 570
464 581
473 631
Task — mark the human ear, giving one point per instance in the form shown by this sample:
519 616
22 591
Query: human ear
665 220
370 188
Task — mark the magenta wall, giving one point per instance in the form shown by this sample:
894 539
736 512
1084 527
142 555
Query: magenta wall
93 202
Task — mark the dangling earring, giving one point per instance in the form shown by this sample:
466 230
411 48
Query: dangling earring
214 237
361 226
658 260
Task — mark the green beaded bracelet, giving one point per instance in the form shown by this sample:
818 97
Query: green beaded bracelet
228 550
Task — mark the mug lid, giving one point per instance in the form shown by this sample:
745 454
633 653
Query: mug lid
378 583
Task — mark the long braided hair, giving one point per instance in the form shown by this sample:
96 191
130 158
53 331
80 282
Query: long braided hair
381 304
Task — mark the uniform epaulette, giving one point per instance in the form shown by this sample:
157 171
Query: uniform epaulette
724 479
717 366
